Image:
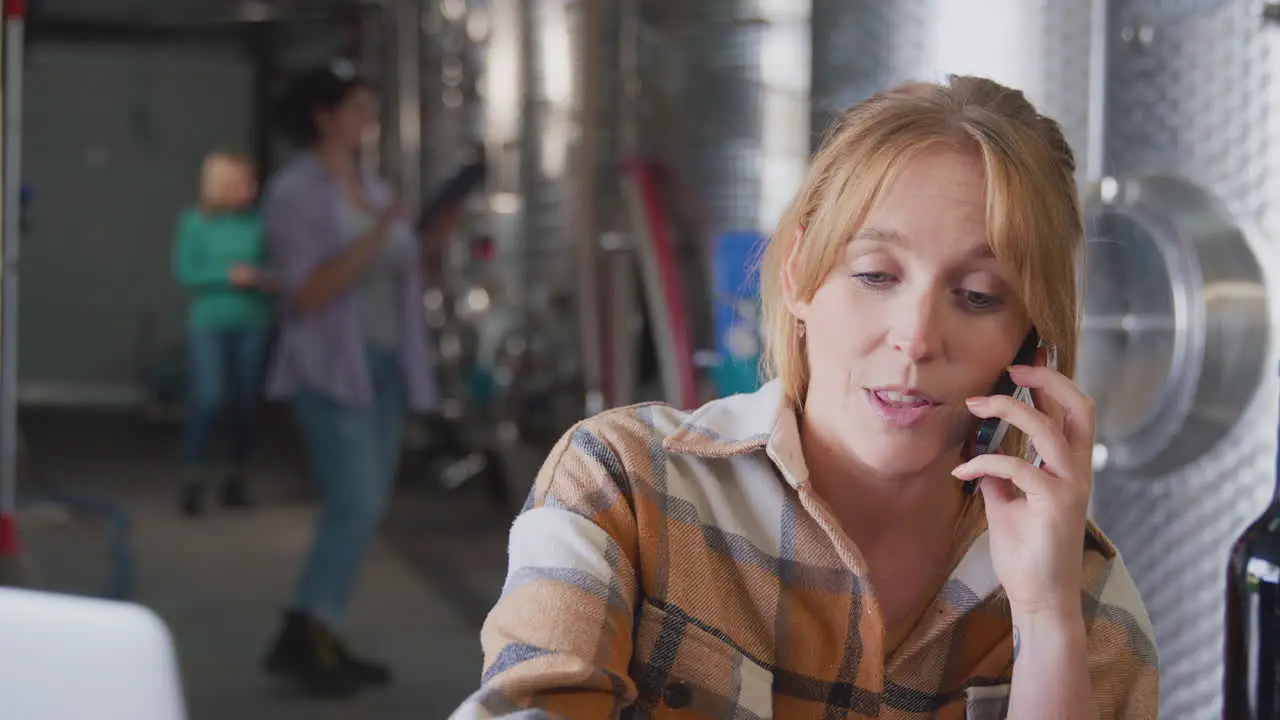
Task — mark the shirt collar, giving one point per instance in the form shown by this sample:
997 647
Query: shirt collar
742 424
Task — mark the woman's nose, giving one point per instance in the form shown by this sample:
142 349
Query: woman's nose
916 331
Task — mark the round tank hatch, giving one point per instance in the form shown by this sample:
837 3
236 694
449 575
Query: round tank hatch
1175 327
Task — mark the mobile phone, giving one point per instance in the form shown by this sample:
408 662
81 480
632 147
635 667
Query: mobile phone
991 431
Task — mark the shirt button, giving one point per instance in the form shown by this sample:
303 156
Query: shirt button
676 695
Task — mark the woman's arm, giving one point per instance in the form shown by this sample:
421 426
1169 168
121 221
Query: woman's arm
190 262
1037 518
1106 668
559 641
1051 667
308 278
339 272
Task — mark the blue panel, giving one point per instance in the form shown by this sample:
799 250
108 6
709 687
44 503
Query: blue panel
736 311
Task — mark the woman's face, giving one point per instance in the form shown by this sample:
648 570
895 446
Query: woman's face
349 122
915 317
245 188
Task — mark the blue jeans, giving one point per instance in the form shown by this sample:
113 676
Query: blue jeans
354 454
225 373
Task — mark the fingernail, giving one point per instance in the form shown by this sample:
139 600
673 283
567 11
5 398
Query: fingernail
1017 369
975 401
961 470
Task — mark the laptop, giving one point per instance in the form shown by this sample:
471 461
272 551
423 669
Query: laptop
65 657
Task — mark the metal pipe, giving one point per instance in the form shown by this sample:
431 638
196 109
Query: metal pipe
371 38
1095 133
619 296
1095 140
14 16
406 106
262 41
585 225
503 85
630 71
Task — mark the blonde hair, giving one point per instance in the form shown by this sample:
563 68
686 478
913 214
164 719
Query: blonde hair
221 175
1033 213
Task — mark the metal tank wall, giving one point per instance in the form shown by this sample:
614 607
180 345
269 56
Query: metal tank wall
742 122
503 81
712 100
451 112
553 103
1192 91
530 88
1049 49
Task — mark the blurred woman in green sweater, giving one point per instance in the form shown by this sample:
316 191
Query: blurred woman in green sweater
219 256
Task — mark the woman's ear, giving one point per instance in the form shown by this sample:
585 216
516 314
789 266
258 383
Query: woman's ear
790 292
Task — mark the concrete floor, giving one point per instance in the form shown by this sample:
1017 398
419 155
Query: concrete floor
219 581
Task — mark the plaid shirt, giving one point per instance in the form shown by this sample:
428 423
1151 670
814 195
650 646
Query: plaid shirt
672 564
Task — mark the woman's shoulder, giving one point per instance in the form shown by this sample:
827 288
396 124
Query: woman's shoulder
194 222
732 425
191 215
1122 641
608 448
1115 598
630 427
652 450
1105 576
302 174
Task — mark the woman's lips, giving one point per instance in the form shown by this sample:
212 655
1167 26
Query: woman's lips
900 408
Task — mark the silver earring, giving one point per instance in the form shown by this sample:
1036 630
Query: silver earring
801 328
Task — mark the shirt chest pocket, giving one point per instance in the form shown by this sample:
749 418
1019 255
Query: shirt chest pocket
684 671
986 702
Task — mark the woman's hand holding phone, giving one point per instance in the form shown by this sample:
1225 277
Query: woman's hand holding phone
244 276
1037 515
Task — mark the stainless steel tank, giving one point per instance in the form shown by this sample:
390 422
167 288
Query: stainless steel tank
531 101
735 74
530 90
1049 49
1189 213
456 301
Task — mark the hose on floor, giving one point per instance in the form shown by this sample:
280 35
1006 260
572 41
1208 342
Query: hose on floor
43 491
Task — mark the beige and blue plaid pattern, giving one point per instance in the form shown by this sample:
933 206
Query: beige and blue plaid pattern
670 564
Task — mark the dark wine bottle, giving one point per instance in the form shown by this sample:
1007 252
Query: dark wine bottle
1251 675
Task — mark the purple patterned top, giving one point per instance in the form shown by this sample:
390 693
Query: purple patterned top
325 350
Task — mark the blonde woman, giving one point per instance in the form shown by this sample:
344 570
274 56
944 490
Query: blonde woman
219 255
831 546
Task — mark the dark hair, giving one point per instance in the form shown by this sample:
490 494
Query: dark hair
313 91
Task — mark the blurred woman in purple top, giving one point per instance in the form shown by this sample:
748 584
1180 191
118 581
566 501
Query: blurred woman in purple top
352 358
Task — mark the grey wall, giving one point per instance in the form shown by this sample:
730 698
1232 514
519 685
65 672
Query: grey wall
112 144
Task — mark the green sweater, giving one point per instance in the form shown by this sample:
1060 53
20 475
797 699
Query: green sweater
208 246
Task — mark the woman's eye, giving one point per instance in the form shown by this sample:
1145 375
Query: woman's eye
980 300
873 279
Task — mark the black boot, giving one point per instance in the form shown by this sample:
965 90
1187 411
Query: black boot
307 653
363 671
235 494
191 499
